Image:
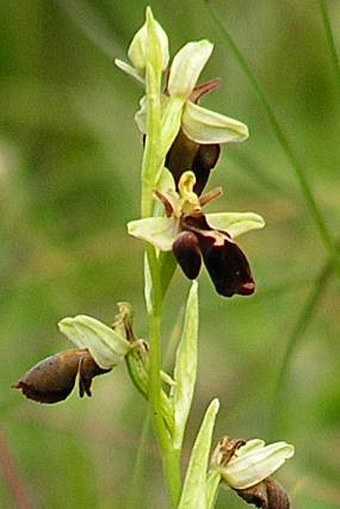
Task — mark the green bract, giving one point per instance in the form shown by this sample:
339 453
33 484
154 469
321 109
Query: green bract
194 494
185 368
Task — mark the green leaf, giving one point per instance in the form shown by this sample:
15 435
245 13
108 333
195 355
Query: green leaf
106 346
185 367
194 490
235 223
158 231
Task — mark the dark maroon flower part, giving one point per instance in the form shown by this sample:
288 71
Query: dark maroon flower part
187 252
268 494
186 154
226 263
52 379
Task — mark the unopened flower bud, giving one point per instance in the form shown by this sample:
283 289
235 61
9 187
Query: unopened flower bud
138 48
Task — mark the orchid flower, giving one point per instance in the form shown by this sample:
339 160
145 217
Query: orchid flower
243 464
193 236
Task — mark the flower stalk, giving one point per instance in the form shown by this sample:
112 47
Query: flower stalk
152 166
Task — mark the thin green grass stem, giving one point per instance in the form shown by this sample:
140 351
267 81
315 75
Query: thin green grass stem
95 29
285 145
135 492
301 325
330 39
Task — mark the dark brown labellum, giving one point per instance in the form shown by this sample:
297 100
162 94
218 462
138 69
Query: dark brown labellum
186 154
227 266
267 494
88 369
187 253
226 263
204 161
53 379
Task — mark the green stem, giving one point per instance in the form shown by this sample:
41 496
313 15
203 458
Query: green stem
173 476
171 457
151 169
286 147
330 38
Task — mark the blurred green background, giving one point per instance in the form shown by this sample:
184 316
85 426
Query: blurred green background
69 181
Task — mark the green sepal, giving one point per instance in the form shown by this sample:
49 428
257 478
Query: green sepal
171 122
206 126
158 231
235 223
107 347
186 67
